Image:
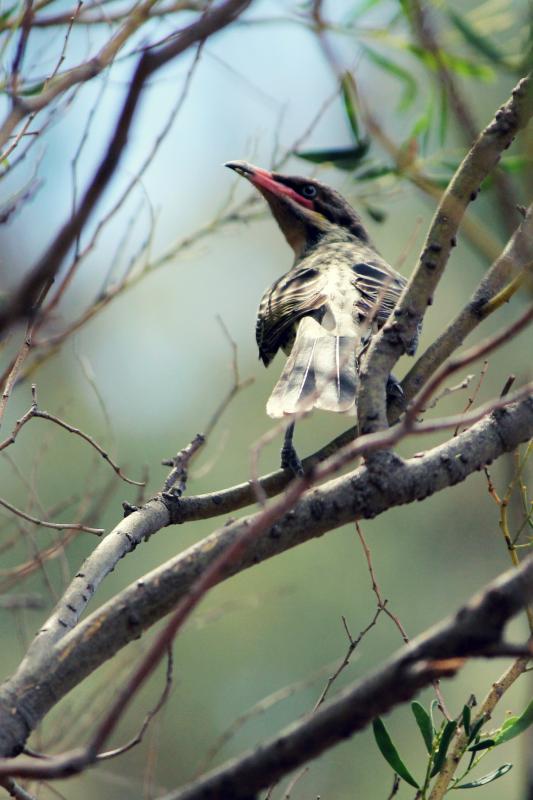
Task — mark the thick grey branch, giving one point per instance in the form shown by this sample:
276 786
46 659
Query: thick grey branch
438 652
47 674
400 331
516 256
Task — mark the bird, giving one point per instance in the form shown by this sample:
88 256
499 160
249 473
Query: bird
323 311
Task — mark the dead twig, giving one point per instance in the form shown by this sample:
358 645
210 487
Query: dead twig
56 526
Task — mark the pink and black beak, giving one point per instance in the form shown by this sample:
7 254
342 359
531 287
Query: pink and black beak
295 214
268 183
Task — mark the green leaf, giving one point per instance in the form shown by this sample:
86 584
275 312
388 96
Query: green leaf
483 745
406 8
434 705
423 720
6 14
377 214
421 125
507 724
347 158
31 90
378 171
492 776
466 719
514 163
476 728
443 117
458 64
390 754
515 726
409 83
349 96
361 9
463 66
445 739
478 42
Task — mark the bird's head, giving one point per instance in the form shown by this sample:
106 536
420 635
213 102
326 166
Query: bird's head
304 209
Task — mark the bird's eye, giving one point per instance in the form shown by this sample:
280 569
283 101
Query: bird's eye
309 191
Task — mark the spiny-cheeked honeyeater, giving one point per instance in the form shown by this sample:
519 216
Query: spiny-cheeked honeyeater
322 312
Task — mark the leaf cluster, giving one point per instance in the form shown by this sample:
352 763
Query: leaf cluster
439 737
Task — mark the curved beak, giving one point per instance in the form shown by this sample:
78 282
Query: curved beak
242 168
267 182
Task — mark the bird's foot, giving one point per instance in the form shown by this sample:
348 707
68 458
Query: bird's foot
395 393
291 461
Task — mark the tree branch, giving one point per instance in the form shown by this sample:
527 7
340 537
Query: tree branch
51 670
439 652
399 333
516 256
21 303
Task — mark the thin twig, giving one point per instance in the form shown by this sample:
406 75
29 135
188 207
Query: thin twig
137 739
56 526
36 412
477 387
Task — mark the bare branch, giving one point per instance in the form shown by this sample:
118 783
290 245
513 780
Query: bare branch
137 739
421 18
38 414
517 254
437 653
22 302
398 334
56 526
35 412
364 493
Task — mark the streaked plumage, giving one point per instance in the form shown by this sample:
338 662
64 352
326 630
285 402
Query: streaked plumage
322 312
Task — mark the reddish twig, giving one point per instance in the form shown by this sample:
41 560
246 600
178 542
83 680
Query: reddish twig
381 601
35 412
475 393
346 660
137 739
473 354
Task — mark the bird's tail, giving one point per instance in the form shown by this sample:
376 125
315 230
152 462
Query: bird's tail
320 372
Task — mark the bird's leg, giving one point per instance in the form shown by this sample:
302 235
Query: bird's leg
289 456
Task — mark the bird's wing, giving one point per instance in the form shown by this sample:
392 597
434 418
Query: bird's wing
379 288
293 296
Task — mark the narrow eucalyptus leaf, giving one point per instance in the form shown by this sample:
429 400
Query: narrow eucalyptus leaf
466 719
475 39
514 163
491 776
7 13
516 726
445 739
434 705
423 720
476 727
483 745
390 754
349 95
347 158
377 214
32 90
443 116
372 173
410 87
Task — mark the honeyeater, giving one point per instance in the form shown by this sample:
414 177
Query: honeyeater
322 312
